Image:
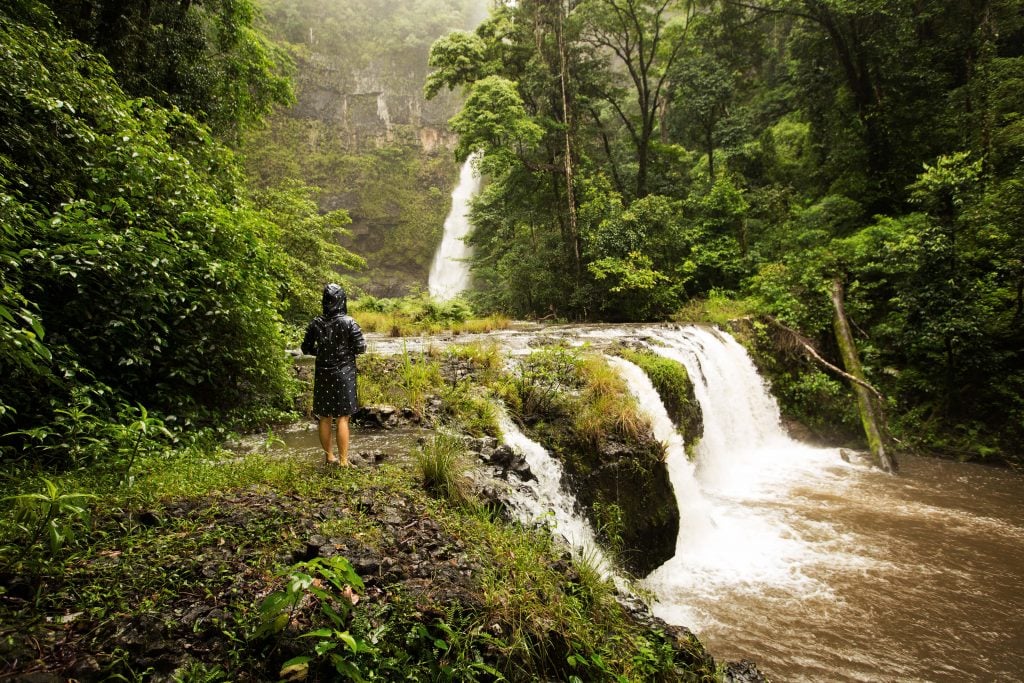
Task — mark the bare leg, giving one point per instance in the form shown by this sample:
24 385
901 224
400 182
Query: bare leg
325 438
343 438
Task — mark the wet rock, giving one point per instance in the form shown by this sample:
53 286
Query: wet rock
743 671
358 460
86 668
380 416
194 615
856 457
482 446
510 460
312 549
40 677
502 456
148 518
370 458
17 587
391 517
366 565
521 468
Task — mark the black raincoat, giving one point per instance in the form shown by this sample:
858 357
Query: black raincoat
335 339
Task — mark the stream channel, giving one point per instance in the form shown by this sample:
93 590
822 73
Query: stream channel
816 568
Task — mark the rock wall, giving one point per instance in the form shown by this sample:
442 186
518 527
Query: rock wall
374 107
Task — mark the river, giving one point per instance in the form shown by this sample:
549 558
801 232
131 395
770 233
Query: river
821 569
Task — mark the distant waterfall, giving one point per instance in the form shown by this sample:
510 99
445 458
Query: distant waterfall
449 274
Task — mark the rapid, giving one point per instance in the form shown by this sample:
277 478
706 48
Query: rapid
821 569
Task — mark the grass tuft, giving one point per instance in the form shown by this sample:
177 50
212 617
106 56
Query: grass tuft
419 314
605 406
441 464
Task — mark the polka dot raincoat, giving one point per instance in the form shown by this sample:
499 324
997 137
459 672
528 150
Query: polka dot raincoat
335 339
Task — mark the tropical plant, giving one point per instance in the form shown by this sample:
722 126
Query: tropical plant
335 586
52 514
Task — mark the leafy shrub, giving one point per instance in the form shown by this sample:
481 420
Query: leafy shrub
51 514
136 256
533 389
307 241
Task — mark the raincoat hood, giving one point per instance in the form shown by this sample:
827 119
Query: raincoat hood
334 301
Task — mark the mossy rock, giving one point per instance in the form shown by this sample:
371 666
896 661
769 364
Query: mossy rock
633 478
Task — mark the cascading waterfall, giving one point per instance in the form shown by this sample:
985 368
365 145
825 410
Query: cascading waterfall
548 502
730 537
449 273
821 569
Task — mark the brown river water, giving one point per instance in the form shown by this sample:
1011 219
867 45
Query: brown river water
823 569
915 577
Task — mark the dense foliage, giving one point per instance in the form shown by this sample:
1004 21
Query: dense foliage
205 57
134 270
643 153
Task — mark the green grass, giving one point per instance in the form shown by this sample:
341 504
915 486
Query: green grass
405 381
419 314
717 309
605 407
214 529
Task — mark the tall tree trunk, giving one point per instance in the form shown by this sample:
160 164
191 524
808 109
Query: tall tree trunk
709 139
870 414
609 157
567 121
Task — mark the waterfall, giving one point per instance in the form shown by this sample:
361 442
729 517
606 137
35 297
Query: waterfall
693 508
732 535
449 273
548 502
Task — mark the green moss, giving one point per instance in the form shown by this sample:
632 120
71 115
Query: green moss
673 385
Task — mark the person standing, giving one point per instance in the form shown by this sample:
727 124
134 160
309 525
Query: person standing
335 339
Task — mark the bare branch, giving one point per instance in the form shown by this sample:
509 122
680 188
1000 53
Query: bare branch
805 343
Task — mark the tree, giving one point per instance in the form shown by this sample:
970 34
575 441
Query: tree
206 57
638 34
307 242
134 251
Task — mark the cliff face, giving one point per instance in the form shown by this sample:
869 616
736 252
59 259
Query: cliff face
363 133
376 106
